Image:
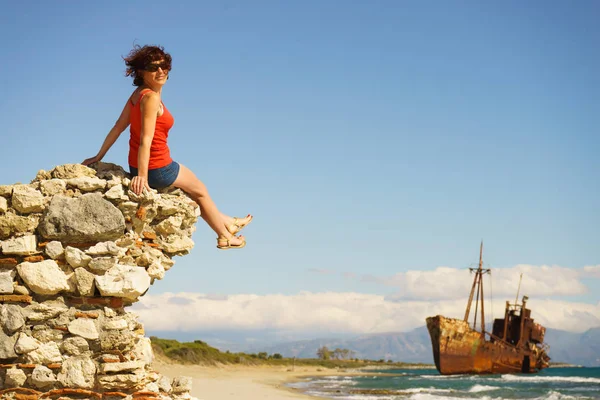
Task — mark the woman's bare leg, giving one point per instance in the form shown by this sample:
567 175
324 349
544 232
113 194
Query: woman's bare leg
189 183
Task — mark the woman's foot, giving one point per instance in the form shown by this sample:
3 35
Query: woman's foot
235 224
235 242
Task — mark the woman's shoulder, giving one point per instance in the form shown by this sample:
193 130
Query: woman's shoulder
143 95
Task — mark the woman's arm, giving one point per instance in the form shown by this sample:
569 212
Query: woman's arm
149 105
121 124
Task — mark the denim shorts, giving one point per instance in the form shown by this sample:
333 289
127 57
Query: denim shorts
160 177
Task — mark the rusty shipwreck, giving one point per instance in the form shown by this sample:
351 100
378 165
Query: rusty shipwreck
515 345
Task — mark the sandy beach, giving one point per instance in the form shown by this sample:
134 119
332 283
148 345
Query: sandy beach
243 382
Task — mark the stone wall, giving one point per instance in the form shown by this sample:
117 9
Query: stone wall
76 248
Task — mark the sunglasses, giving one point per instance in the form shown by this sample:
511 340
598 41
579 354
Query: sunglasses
154 67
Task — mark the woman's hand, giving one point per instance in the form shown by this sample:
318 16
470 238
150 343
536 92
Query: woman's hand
139 184
91 160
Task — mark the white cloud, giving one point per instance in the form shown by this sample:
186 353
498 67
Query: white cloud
333 312
453 283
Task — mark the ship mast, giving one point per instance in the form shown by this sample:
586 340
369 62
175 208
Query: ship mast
477 283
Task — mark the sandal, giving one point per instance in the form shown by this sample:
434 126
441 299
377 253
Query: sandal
237 225
229 245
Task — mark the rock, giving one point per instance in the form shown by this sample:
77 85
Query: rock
122 340
22 246
6 190
102 264
84 327
123 281
53 187
182 384
26 344
87 184
7 346
76 258
164 384
113 324
175 244
84 281
3 205
110 171
18 289
44 277
143 351
152 387
26 200
46 310
6 281
122 381
11 318
45 334
45 354
54 249
89 218
77 372
42 377
106 248
69 171
11 224
116 193
14 377
75 346
156 270
120 367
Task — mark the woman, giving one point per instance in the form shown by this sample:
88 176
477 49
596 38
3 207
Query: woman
150 162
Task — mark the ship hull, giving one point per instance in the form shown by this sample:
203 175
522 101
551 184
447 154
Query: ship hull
458 349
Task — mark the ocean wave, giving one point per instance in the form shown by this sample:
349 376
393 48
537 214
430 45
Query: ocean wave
553 395
539 379
429 396
483 388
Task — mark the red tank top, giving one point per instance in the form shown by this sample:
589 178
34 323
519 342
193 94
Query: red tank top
160 155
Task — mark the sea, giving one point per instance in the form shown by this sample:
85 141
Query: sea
428 384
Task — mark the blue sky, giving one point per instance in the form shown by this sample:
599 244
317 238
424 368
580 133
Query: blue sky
368 138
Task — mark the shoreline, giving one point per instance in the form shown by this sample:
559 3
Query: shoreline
224 382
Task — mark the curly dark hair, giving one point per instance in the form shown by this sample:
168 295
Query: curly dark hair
140 56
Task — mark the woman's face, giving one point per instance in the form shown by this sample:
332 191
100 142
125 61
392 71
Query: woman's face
156 72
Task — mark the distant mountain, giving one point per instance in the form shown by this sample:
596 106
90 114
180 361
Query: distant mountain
415 346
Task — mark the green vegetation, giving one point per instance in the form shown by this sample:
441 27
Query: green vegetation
199 352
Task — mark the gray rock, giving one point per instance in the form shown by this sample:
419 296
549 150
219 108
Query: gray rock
46 310
117 340
14 377
77 372
106 248
132 381
45 334
6 281
11 318
120 367
102 264
89 218
75 346
7 346
42 377
54 249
